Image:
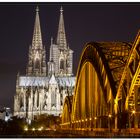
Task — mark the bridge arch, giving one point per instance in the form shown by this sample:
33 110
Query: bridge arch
99 72
128 93
66 115
94 90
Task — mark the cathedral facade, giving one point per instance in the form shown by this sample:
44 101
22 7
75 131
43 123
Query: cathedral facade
43 88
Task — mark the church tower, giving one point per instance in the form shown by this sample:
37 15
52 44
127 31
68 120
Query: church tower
61 36
61 56
37 55
36 92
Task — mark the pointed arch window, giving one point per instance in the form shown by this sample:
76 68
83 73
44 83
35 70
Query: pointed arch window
53 98
37 64
62 64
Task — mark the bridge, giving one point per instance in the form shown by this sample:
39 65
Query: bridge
107 91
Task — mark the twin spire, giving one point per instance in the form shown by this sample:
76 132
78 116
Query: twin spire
37 37
61 36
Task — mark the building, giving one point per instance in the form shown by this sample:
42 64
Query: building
5 114
42 90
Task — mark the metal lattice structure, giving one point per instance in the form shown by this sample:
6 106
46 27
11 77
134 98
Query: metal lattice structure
107 90
128 98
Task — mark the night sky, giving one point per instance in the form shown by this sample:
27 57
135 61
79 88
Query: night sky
83 23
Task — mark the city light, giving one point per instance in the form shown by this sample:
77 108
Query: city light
39 129
26 129
109 115
103 95
133 111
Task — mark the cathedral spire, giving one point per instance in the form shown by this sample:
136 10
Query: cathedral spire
37 55
51 50
61 36
37 38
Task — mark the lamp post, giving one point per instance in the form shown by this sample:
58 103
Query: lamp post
109 118
131 118
95 118
135 119
90 119
133 112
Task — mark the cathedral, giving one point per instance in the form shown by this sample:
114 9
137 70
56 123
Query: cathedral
42 90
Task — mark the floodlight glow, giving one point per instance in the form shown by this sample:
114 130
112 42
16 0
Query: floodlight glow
133 111
26 129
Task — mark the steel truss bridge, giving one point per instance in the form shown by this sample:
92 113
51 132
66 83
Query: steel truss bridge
107 90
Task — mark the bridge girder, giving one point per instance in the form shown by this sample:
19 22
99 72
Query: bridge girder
96 69
113 71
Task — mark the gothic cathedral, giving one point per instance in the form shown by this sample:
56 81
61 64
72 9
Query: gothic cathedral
44 87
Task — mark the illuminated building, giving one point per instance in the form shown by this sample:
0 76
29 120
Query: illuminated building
42 91
5 114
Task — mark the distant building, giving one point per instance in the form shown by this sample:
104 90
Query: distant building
41 91
5 114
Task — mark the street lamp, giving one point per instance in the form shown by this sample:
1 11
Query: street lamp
95 118
26 129
133 112
109 117
90 123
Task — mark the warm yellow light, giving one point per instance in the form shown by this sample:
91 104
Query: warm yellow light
109 115
133 111
26 129
95 118
90 119
39 129
86 119
82 120
33 129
